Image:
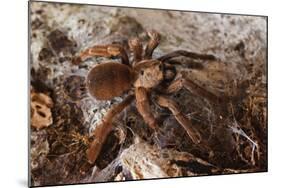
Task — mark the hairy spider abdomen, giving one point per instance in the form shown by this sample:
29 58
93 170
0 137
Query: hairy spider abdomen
109 80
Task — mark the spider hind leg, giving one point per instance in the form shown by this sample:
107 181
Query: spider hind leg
112 50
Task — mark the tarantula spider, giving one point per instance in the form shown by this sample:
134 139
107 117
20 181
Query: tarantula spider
139 79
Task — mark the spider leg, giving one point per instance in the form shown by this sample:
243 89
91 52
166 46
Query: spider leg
185 82
190 64
111 50
103 129
184 53
145 64
152 43
137 49
142 103
180 117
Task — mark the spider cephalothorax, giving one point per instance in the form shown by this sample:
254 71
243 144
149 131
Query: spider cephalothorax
138 78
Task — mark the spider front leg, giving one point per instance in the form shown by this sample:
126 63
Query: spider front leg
152 43
111 50
188 54
184 82
180 117
103 129
136 47
142 102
